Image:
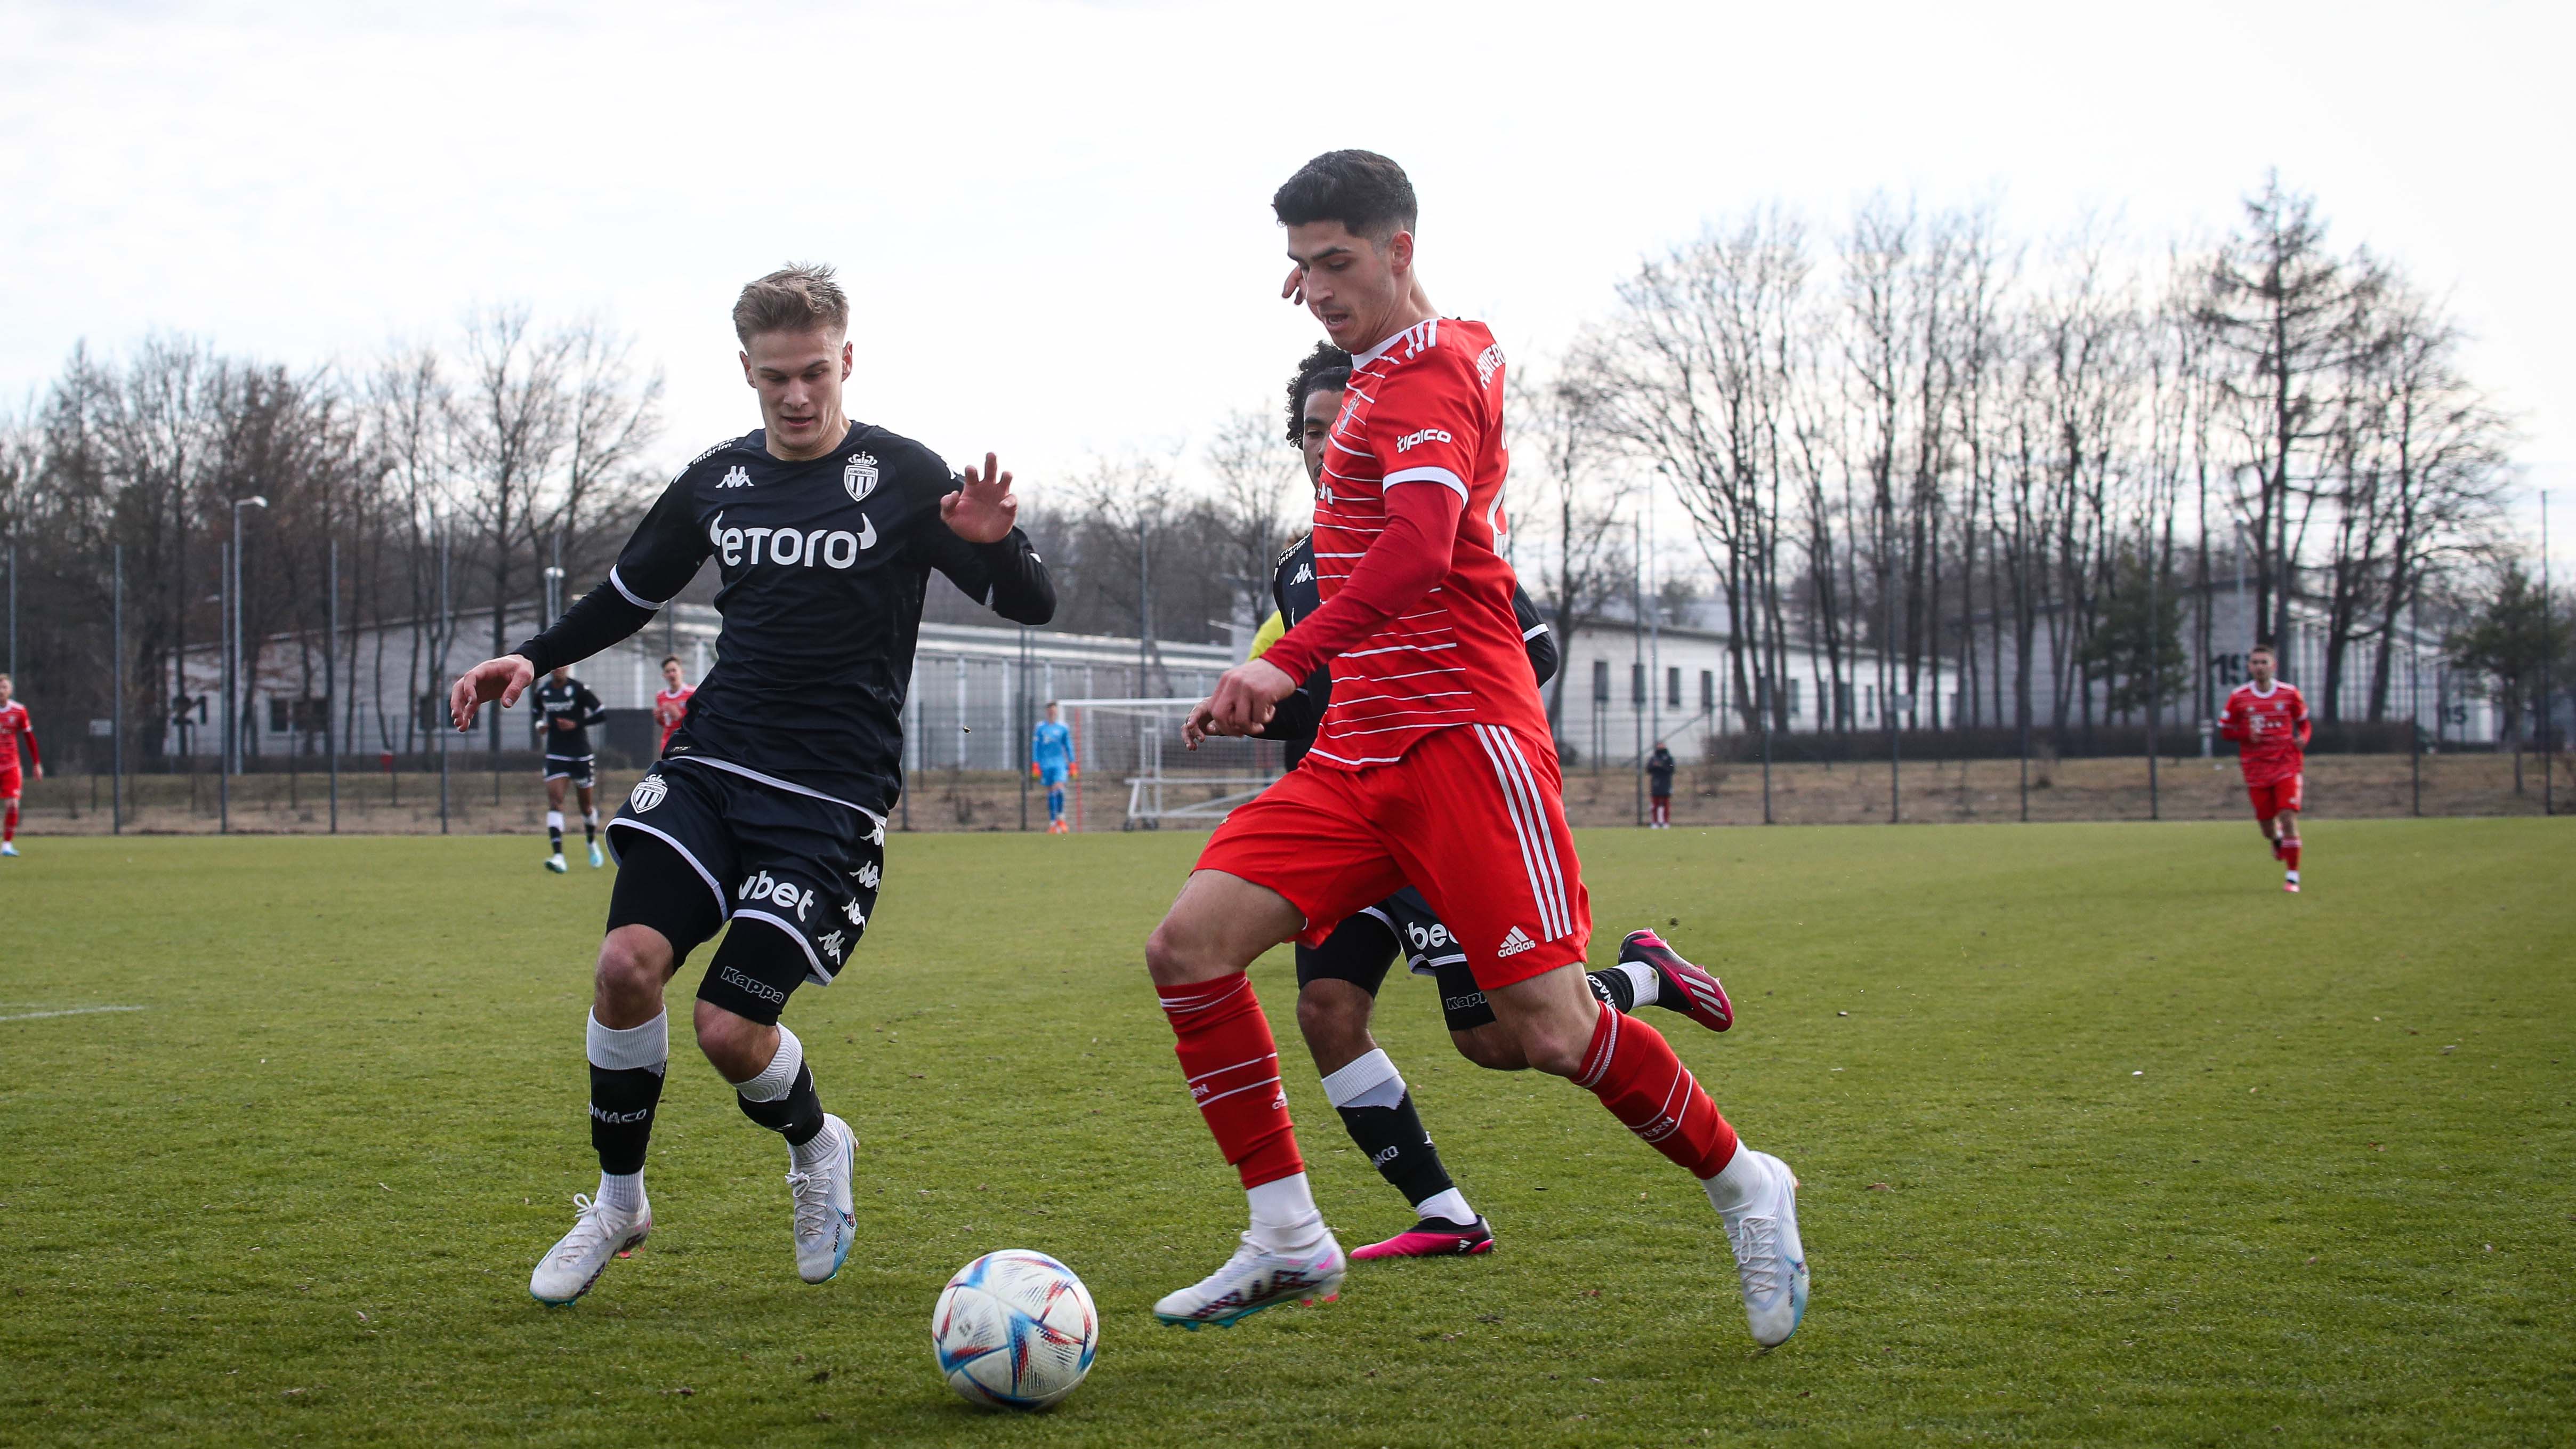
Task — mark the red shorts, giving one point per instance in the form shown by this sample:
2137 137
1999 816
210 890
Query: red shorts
10 783
1472 816
2276 797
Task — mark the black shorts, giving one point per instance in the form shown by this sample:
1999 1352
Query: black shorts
1361 949
798 872
576 768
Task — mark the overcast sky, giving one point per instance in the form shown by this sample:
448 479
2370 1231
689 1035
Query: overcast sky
1052 217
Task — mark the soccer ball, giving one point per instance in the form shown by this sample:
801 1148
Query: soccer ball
1014 1328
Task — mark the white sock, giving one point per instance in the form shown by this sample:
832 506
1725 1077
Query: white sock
624 1193
625 1049
1368 1081
631 1048
1449 1204
590 817
818 1150
1284 1215
2294 877
1734 1187
1650 986
779 1077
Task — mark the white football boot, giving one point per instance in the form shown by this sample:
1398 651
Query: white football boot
1768 1256
555 863
596 859
1256 1278
599 1236
8 848
824 1222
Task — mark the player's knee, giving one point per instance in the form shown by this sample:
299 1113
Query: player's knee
1490 1047
631 972
1337 1029
1178 953
1552 1047
734 1045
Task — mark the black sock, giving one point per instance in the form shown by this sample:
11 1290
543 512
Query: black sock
798 1116
1402 1152
621 1116
1615 990
590 831
554 837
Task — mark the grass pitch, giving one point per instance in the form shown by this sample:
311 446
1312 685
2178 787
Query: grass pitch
2104 1139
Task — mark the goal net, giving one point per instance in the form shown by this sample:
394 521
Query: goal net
1137 775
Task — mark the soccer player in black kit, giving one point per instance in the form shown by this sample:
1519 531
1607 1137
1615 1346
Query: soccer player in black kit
1338 981
566 709
768 809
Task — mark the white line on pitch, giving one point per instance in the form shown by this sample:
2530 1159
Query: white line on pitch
69 1011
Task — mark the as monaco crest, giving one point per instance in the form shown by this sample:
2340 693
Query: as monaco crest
648 793
860 477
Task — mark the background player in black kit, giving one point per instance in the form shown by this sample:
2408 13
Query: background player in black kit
566 709
768 808
1338 981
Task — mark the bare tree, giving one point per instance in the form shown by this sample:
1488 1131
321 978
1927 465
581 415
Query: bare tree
2285 310
1569 509
1260 484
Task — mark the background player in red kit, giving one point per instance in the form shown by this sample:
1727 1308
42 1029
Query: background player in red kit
2268 719
1432 767
671 702
13 723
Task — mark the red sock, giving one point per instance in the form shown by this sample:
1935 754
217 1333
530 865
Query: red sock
2290 852
9 831
1232 1063
1632 1069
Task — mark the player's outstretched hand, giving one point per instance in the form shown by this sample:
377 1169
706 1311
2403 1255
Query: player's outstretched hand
983 509
504 679
1243 699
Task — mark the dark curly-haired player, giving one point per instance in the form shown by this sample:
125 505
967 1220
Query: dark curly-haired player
1338 980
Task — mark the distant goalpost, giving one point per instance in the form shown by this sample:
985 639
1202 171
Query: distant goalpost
1137 744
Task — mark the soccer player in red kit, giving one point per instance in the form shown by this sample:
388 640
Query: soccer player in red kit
13 723
1433 767
2268 719
671 702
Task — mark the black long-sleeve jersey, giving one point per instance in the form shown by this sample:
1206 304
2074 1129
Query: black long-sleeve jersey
570 700
1295 719
824 563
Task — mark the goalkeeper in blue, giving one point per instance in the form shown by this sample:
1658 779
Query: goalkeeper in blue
1051 760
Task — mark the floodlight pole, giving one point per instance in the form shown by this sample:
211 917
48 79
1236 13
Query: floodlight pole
1887 702
2155 673
2548 772
1023 723
224 672
236 680
1637 631
446 630
331 680
116 691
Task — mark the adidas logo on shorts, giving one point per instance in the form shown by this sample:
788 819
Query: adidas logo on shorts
1515 943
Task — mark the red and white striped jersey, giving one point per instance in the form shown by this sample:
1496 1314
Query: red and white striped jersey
1423 408
14 721
670 708
2270 728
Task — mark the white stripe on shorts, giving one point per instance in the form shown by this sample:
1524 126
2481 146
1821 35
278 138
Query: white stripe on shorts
1529 822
